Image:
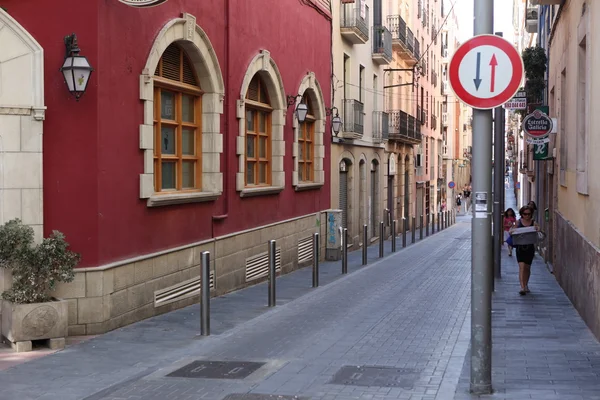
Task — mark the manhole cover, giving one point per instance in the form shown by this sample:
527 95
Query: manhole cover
217 369
259 396
376 376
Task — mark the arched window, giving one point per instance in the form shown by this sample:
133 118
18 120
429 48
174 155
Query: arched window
258 134
306 143
177 124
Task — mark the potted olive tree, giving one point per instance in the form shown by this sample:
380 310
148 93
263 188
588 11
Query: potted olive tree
28 311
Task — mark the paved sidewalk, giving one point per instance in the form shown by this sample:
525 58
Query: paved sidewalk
541 347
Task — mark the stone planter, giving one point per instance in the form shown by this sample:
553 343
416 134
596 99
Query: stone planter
22 323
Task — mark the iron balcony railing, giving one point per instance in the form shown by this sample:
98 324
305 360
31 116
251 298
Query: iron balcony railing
382 41
417 50
404 127
434 77
410 40
433 122
353 117
381 126
397 27
351 18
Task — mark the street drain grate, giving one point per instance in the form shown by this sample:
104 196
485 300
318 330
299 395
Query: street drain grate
376 376
217 369
259 396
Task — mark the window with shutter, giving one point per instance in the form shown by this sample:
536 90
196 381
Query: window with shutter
177 124
258 134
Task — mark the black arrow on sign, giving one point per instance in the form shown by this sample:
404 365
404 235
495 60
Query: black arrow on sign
477 80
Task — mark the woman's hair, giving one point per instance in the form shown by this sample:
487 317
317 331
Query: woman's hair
509 210
524 209
532 205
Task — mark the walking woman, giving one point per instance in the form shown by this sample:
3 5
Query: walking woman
509 220
525 253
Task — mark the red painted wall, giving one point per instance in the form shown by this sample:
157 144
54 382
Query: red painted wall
92 159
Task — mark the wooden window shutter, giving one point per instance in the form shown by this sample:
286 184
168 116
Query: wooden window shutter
176 66
253 89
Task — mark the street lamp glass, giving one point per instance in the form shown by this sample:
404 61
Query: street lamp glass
301 111
76 71
336 124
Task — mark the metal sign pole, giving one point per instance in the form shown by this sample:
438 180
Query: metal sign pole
498 183
481 240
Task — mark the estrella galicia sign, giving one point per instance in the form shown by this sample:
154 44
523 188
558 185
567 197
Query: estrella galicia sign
537 125
142 3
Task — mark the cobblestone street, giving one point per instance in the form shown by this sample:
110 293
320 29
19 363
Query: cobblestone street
395 329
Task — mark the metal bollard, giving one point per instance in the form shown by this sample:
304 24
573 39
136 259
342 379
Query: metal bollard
439 221
272 255
205 294
315 275
404 229
364 248
381 241
421 228
345 251
413 228
426 225
393 236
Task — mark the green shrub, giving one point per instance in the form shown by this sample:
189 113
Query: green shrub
35 268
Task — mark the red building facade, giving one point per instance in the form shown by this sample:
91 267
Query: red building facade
183 142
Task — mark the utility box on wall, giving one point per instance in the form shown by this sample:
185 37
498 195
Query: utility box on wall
332 235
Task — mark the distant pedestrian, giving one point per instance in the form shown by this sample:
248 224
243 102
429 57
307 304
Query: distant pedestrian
532 205
525 253
458 202
444 205
509 220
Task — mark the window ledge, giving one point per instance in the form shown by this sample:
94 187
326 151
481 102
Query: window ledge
158 200
308 186
261 191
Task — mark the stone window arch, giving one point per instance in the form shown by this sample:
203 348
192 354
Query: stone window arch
314 128
262 69
183 33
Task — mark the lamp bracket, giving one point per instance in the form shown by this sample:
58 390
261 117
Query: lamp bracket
291 99
329 111
71 46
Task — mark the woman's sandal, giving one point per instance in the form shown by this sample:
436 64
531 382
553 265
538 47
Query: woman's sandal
522 292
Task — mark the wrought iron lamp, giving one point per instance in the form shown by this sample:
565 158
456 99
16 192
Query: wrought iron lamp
76 69
336 121
301 109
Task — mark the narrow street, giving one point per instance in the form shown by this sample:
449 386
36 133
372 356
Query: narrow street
395 329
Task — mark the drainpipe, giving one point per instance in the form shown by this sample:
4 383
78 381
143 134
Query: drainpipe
227 110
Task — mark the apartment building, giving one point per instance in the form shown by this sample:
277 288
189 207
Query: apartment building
362 49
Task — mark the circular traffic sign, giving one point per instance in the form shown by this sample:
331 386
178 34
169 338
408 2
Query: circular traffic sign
451 184
486 71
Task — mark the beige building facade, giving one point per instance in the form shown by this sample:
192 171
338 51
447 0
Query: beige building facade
362 48
573 85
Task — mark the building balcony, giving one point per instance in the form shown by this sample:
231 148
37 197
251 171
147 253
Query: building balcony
382 45
353 119
531 20
417 48
445 119
381 126
434 122
445 58
402 39
404 128
445 88
354 25
434 78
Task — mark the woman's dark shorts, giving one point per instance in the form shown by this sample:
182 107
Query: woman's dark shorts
525 253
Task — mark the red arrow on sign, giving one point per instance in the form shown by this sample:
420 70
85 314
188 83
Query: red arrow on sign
493 64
